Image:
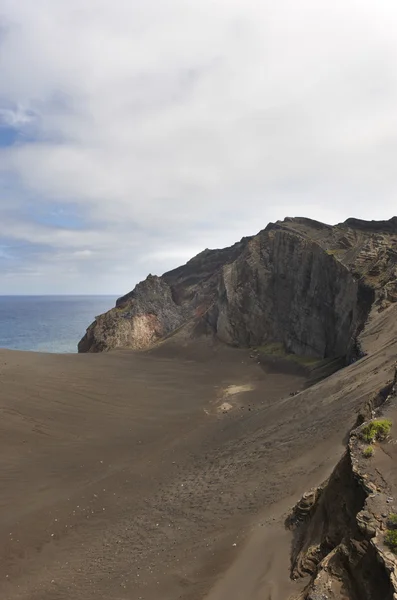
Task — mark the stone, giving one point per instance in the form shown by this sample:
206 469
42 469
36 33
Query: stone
303 285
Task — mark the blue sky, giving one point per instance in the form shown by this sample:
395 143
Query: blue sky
133 135
8 136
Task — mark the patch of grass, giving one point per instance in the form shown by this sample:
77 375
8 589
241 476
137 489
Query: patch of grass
274 349
376 430
303 360
277 350
392 521
368 452
391 540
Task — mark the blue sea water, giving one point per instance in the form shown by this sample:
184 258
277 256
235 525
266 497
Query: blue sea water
48 323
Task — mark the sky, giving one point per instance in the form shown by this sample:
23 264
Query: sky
136 133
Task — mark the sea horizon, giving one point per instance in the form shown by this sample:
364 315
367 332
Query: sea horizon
52 323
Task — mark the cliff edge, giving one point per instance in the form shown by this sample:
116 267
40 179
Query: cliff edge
345 530
298 283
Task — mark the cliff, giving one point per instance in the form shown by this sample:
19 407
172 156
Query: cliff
299 283
341 528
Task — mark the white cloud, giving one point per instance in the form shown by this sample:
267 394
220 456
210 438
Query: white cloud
15 117
177 125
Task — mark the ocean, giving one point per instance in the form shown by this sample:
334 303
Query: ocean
48 323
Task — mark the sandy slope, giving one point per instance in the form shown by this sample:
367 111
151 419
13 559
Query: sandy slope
164 475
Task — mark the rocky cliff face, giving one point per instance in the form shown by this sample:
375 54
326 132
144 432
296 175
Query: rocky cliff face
339 528
284 288
299 283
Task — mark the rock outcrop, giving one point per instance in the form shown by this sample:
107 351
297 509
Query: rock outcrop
339 528
284 288
299 283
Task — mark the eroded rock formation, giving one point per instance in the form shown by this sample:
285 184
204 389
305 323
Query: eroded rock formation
339 528
299 283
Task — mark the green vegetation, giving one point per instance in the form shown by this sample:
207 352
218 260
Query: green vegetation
392 521
334 251
391 533
376 430
368 452
274 349
303 360
277 350
391 540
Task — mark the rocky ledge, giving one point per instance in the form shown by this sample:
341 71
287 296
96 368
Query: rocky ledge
340 528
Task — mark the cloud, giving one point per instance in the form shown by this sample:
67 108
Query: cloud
14 117
150 130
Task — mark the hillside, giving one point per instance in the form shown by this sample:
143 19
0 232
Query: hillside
299 283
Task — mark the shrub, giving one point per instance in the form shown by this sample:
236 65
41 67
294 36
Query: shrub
376 430
391 539
392 521
368 452
277 350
